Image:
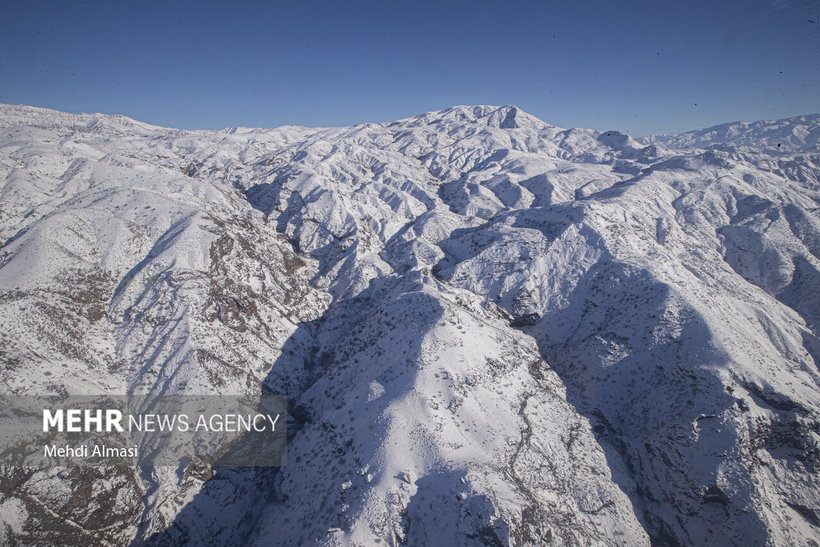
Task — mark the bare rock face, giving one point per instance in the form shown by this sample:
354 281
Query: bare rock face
490 330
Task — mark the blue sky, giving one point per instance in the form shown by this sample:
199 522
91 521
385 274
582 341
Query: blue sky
640 67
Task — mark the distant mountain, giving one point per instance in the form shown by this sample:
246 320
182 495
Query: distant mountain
491 330
796 134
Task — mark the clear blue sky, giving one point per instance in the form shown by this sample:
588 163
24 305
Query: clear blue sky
641 67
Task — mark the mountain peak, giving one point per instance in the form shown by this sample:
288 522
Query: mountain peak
502 117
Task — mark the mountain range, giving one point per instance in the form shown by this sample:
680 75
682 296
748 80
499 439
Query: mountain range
490 330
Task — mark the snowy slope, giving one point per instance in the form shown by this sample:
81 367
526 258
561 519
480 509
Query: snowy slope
490 329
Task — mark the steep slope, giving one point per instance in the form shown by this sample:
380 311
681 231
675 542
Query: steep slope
490 329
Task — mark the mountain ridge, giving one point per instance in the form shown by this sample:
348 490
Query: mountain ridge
455 111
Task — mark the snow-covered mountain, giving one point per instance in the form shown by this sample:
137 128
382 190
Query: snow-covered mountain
491 330
796 134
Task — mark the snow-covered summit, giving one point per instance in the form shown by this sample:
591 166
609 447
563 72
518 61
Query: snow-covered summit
504 117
